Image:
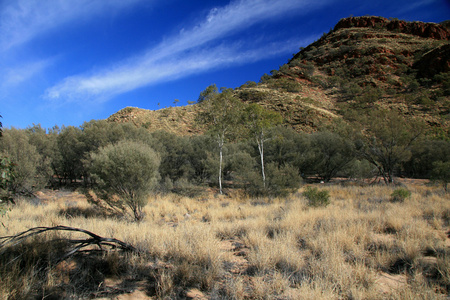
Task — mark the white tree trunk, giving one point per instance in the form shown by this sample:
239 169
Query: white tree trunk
261 155
220 141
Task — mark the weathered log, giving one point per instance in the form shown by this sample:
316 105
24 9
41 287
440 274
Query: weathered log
79 245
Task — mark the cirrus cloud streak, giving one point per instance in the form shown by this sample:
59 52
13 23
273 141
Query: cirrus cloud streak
193 50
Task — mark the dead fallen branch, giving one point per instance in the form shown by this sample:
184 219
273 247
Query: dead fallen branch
78 245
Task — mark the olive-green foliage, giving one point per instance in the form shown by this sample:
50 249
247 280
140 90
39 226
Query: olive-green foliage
249 84
444 80
258 122
441 172
252 96
176 155
73 145
388 140
400 195
70 149
6 180
280 181
423 155
126 173
285 84
44 140
286 146
238 161
359 169
209 93
184 161
316 197
31 169
289 147
331 153
221 113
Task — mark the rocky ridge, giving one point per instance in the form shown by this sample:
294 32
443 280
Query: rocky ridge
363 63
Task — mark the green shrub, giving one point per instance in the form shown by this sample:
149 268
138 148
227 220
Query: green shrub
31 170
441 173
280 181
399 195
125 174
315 197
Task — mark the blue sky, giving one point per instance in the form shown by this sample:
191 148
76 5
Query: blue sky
64 62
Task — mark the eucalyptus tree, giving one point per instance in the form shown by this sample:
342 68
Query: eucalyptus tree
70 149
387 140
331 153
221 113
31 171
257 121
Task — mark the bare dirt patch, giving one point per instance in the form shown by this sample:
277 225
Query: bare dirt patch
388 283
235 253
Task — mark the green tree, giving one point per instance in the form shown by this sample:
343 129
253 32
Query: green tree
31 170
126 173
6 181
387 141
258 120
70 149
176 156
221 113
331 153
209 93
441 172
6 178
291 148
423 156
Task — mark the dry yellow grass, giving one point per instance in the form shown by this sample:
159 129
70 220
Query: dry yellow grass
361 246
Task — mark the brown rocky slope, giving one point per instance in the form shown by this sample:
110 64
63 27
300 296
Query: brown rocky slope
364 63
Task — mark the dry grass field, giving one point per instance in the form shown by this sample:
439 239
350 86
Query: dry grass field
361 246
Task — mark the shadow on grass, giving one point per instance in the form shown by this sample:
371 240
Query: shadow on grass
87 212
33 269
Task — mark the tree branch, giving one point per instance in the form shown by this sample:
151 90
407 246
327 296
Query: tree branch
78 244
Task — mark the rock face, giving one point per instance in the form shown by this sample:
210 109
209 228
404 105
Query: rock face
425 30
434 62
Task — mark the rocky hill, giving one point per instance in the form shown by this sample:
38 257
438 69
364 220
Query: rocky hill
363 63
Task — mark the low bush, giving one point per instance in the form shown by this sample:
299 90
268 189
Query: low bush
315 197
400 195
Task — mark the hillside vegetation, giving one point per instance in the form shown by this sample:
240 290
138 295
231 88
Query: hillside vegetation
364 63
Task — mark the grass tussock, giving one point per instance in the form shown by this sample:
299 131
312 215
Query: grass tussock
362 245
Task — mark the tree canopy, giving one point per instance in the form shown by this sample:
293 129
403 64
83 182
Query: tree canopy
128 170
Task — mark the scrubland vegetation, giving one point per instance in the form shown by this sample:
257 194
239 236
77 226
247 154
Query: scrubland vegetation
248 207
363 245
231 214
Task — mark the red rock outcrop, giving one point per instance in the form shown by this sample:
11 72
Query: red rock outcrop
425 30
434 62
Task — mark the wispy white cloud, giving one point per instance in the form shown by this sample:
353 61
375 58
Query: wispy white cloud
191 51
23 20
17 74
130 76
